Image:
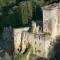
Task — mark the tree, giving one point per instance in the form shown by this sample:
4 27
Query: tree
25 12
38 2
8 2
1 3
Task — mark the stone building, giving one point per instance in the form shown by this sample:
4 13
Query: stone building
51 16
40 40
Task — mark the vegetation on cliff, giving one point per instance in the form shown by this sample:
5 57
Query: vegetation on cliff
22 56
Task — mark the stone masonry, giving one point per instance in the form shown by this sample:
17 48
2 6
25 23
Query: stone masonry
39 40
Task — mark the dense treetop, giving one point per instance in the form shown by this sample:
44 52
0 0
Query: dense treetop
19 13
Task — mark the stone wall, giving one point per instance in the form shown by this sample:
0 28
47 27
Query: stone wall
50 19
58 27
17 37
40 43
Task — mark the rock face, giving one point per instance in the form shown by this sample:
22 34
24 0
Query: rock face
8 41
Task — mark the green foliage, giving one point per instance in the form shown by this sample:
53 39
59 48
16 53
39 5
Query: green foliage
10 1
26 12
38 2
46 33
6 2
12 18
22 56
20 12
1 3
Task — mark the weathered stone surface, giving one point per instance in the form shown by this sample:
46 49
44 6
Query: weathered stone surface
51 19
40 41
18 38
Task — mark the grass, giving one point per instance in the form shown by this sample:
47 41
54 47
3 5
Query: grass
22 56
46 33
